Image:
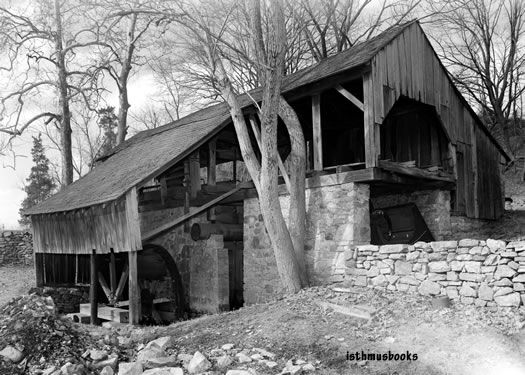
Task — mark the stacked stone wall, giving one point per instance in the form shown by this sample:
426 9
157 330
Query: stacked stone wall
485 273
16 248
337 219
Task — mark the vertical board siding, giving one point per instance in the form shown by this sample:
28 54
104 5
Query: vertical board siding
102 227
408 66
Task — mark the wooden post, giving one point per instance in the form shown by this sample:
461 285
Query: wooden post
93 288
186 192
134 289
135 244
163 190
212 172
372 140
195 178
39 269
317 132
112 272
234 164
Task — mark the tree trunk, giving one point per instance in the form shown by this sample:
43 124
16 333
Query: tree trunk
122 128
63 103
297 172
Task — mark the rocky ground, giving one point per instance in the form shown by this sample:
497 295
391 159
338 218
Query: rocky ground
310 332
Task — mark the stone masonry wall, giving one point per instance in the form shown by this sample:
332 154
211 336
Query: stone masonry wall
200 263
434 206
337 219
67 300
485 273
16 248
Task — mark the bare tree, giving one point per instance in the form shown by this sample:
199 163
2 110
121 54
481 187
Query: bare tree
124 28
41 46
209 38
482 42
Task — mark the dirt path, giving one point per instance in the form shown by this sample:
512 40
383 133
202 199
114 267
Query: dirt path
15 280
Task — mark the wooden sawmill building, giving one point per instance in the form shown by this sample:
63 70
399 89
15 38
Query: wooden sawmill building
168 221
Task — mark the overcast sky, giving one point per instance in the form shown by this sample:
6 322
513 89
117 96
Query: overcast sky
12 180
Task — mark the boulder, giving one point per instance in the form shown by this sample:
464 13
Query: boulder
512 299
162 343
264 353
160 362
149 353
243 358
429 288
224 361
130 368
98 355
164 371
12 354
227 347
107 371
199 363
241 372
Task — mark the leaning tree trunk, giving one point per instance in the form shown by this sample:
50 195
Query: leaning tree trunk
63 103
297 173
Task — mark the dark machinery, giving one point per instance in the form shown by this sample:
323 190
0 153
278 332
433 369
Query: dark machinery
401 224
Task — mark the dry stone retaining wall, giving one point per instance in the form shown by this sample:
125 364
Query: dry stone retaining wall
485 273
16 248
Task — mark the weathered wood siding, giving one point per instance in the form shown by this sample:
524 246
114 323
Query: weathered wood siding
101 228
409 66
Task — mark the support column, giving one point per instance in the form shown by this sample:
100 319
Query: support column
317 133
212 171
134 289
93 288
372 135
195 178
39 269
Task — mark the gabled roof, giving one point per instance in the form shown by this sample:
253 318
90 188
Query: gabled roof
151 150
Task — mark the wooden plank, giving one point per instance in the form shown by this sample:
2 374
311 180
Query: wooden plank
317 132
371 137
159 230
93 312
347 94
415 172
109 313
112 271
355 311
134 289
105 287
122 282
163 190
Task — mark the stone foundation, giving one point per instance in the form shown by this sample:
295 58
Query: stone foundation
201 264
337 219
16 248
434 206
470 271
67 300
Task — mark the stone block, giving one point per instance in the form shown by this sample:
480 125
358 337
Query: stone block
485 292
452 276
468 243
512 299
503 282
519 287
379 281
504 271
515 266
402 287
452 292
467 300
516 245
443 245
392 279
402 268
467 291
508 254
473 267
373 271
428 287
476 277
480 303
392 249
502 291
520 278
436 276
464 257
410 280
488 269
438 267
491 260
456 265
412 256
360 281
495 245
